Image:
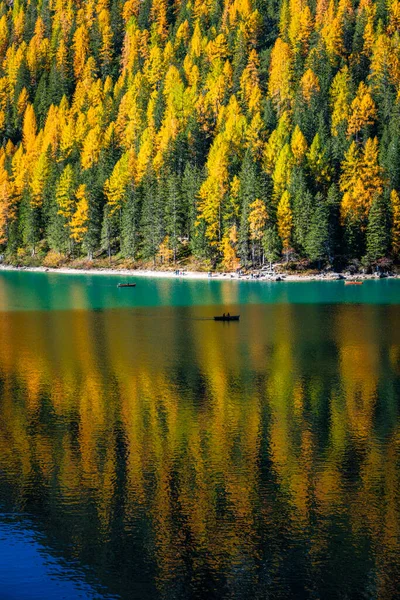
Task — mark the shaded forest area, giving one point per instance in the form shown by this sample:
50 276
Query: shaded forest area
231 131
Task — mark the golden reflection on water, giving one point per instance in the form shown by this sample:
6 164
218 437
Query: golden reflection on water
233 443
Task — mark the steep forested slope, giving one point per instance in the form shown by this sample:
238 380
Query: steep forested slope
230 129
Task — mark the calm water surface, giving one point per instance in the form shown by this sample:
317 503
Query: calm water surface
148 452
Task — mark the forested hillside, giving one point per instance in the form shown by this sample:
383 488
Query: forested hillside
236 131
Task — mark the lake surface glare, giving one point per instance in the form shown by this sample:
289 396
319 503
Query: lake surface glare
148 452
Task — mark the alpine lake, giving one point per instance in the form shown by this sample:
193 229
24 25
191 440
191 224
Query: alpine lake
148 452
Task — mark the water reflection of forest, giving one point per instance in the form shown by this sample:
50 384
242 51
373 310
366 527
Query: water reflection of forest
259 458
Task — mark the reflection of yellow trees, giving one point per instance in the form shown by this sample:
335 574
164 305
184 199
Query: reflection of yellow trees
192 464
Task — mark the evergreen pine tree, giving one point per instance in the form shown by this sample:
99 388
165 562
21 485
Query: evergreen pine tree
130 224
317 242
378 229
152 230
302 207
194 231
250 189
272 244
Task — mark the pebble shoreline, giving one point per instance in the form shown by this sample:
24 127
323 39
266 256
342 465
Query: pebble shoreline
192 274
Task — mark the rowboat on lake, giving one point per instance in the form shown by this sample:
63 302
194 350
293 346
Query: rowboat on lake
353 283
126 285
227 318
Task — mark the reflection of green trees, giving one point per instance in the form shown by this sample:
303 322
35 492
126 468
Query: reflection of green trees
234 461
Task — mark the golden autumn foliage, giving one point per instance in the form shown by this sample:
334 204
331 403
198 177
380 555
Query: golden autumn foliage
395 206
80 218
281 74
361 180
120 96
257 219
309 85
65 194
6 212
298 145
285 220
362 111
230 260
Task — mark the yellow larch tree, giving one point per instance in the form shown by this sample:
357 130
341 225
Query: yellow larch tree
284 20
250 83
385 63
80 218
340 100
6 199
309 85
40 172
130 9
218 82
19 20
232 130
81 50
175 113
257 219
196 46
285 221
361 180
116 185
395 229
305 30
298 145
278 138
131 116
282 172
332 32
68 137
255 136
65 195
51 131
318 161
217 48
280 83
369 33
362 111
131 47
153 68
4 37
38 50
20 172
12 64
22 102
165 253
214 189
394 16
106 50
230 260
301 25
295 7
159 16
91 148
29 129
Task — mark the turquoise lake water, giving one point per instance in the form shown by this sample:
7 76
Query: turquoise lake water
42 291
149 452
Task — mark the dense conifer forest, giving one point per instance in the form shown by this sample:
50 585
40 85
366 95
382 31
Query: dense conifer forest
232 131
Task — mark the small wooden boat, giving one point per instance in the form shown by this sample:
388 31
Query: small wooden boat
126 285
227 318
353 282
